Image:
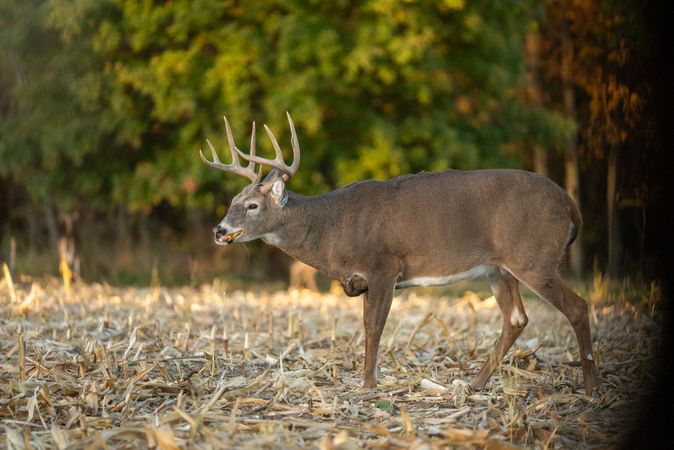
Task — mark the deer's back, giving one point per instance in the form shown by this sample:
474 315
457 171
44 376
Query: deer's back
462 218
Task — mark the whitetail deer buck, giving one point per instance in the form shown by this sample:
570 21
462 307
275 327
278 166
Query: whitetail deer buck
426 229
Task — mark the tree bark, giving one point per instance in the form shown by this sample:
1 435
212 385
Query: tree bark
614 238
12 254
540 160
571 168
5 208
572 183
122 232
534 95
50 221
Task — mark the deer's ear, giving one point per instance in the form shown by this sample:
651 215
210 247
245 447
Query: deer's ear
274 185
278 191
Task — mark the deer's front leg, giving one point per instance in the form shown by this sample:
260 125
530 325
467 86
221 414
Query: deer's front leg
376 306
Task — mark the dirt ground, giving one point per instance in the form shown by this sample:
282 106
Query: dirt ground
104 367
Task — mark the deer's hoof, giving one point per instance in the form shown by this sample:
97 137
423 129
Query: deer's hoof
369 384
477 384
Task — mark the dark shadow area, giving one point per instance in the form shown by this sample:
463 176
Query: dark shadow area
654 415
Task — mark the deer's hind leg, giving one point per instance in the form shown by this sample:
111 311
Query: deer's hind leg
550 287
506 291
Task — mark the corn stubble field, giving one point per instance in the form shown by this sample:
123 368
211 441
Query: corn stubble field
102 367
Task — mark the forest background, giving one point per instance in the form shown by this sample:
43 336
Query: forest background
104 105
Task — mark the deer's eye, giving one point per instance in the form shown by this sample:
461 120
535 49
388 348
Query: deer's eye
252 206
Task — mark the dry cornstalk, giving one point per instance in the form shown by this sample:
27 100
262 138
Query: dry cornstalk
312 388
188 328
211 340
67 274
270 321
407 422
419 326
232 418
246 346
22 356
291 324
225 341
300 327
10 284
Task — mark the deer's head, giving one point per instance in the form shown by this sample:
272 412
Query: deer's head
257 210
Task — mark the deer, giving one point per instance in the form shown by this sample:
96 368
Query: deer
426 229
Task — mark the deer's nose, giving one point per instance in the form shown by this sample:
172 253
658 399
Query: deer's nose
219 231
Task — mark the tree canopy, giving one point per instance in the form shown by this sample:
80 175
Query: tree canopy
109 101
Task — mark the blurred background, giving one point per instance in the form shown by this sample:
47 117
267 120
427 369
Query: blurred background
104 105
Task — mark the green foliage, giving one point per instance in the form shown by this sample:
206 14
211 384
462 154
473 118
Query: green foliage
113 98
385 405
56 123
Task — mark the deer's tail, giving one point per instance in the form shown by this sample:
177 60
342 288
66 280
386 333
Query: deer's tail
576 221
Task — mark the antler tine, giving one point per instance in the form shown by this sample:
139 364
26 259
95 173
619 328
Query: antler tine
277 148
230 141
294 142
278 163
216 161
251 164
235 166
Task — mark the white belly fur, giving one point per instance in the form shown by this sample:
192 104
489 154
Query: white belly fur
475 272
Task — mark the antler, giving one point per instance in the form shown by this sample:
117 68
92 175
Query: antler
278 163
235 166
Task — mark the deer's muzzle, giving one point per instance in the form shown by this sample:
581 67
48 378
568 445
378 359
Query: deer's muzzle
223 237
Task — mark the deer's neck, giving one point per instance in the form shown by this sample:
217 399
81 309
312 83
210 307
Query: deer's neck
304 230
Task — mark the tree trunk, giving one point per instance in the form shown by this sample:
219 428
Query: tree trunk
614 239
535 96
4 214
540 160
572 182
12 254
50 221
571 169
5 209
122 232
